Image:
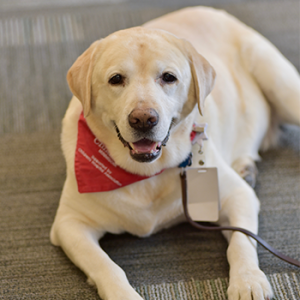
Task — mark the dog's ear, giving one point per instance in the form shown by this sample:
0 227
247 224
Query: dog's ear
79 76
203 75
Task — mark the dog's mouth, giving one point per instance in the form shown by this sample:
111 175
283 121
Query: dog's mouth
144 150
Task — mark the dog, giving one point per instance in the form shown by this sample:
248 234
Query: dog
137 95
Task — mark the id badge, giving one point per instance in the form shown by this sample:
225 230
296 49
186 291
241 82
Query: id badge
203 194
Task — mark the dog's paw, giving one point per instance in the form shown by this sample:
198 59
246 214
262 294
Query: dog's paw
126 296
118 293
252 285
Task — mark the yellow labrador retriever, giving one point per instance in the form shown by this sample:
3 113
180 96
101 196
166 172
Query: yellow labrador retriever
137 94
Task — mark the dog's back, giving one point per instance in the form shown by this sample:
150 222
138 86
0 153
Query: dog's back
256 87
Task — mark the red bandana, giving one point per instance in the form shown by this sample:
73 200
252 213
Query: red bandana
95 170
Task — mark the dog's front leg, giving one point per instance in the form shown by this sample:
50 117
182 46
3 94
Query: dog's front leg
239 208
247 281
80 243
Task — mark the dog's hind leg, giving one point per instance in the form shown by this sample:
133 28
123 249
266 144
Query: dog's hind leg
275 75
246 168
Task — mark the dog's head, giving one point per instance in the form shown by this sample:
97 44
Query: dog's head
138 88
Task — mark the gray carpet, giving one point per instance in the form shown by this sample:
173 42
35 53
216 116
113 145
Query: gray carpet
37 47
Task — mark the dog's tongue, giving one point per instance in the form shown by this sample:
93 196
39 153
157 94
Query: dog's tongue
144 146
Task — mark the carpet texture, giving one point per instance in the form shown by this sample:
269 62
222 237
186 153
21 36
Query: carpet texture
37 48
286 286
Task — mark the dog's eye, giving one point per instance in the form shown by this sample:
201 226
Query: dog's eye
168 78
117 79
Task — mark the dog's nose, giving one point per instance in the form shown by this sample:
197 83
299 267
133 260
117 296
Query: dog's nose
143 119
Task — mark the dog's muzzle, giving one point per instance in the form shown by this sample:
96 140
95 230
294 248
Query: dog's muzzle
142 121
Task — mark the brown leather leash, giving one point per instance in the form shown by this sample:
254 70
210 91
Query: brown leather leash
220 228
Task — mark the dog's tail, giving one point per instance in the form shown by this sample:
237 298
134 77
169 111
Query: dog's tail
277 78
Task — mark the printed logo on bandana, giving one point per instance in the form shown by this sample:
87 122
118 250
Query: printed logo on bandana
95 170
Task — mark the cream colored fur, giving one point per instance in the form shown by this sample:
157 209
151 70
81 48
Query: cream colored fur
248 69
